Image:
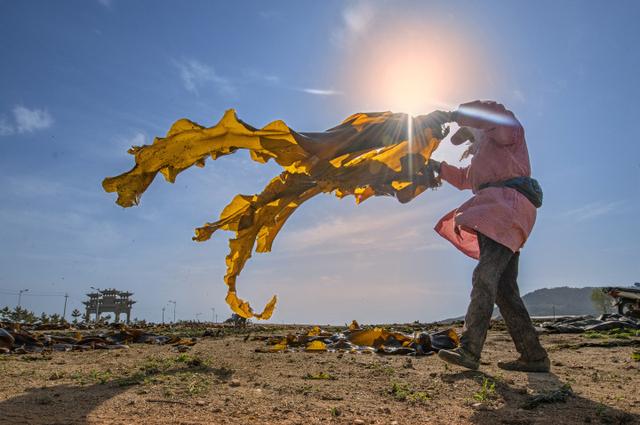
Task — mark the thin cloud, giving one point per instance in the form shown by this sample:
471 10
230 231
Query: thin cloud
5 127
25 120
594 210
253 75
270 14
121 144
195 74
398 232
357 18
322 92
105 3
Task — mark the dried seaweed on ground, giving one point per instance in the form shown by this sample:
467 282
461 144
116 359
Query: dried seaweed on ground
559 395
22 341
357 340
580 324
369 154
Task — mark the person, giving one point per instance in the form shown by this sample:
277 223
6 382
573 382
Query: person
492 227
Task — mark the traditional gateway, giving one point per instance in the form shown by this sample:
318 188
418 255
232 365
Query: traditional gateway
109 301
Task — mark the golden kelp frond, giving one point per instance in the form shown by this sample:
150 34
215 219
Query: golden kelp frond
376 337
372 154
379 340
188 143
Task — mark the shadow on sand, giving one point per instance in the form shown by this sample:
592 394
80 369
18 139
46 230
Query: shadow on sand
573 410
72 403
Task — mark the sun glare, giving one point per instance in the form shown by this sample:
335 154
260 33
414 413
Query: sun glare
411 70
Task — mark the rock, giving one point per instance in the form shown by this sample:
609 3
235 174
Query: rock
201 403
358 422
234 383
6 339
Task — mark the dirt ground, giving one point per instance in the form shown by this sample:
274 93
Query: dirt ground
223 380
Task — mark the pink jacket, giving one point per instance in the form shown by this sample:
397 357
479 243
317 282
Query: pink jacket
503 214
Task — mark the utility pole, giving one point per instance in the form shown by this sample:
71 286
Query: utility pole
164 307
174 310
64 312
20 292
213 314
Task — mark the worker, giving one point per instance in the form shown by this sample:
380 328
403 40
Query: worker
492 227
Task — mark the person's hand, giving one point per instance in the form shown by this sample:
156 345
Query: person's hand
430 175
436 121
434 165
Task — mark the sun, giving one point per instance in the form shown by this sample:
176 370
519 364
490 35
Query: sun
411 70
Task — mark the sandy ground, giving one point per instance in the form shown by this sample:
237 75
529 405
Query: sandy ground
224 381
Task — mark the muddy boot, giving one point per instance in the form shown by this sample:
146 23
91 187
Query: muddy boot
459 356
522 365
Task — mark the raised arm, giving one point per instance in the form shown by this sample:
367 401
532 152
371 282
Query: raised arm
499 123
456 176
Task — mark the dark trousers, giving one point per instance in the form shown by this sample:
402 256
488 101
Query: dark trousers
495 282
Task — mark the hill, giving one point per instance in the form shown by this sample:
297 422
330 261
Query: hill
565 301
560 301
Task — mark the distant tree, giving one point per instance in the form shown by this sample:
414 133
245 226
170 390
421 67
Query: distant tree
601 301
5 313
237 320
20 314
55 318
75 314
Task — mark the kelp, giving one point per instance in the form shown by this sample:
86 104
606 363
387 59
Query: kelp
20 341
364 340
368 154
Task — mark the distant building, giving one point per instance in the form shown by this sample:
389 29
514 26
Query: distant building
109 301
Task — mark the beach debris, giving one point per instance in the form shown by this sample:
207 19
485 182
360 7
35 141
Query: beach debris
368 154
580 324
559 395
363 340
20 341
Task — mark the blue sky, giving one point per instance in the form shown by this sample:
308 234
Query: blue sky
81 81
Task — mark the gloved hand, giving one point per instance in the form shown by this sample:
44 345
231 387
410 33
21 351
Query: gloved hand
436 121
430 175
434 165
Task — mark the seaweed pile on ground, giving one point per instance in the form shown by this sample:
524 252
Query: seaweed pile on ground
580 324
20 341
355 339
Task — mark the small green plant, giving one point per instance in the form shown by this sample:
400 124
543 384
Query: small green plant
635 356
190 361
320 375
197 384
135 379
335 412
102 377
403 392
487 391
56 375
381 369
